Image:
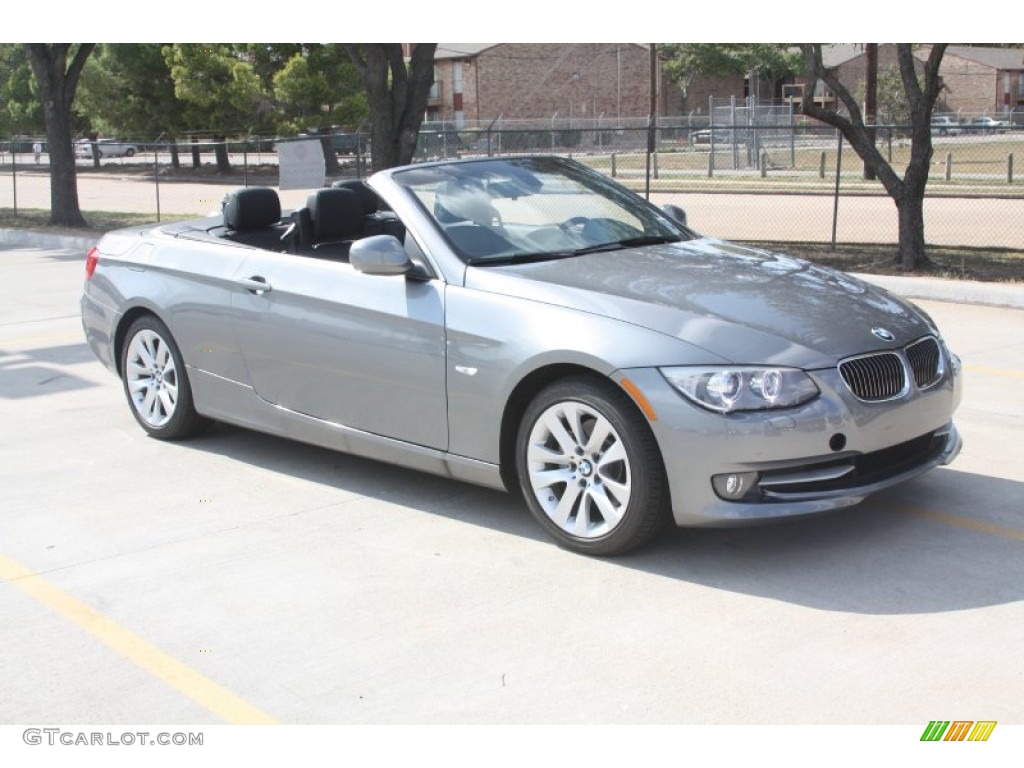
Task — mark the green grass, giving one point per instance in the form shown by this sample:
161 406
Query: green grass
974 168
956 263
96 221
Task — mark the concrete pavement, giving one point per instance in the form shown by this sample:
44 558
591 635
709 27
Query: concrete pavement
239 577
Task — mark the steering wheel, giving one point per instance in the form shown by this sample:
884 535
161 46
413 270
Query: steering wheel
574 222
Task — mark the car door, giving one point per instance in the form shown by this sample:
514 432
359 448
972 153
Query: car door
324 340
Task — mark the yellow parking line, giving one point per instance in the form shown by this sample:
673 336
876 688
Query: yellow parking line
994 371
960 522
200 689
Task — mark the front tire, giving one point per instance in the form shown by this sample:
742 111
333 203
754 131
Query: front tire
589 468
156 383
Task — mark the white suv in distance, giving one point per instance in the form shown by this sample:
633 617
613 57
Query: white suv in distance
944 126
106 148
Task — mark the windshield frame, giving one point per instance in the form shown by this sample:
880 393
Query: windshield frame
507 180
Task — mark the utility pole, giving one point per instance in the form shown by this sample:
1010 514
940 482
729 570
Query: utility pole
871 98
652 118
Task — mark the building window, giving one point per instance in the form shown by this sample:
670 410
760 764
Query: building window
457 77
793 91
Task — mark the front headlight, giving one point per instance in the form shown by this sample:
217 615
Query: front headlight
726 389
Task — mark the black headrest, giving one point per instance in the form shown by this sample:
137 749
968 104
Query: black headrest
336 214
367 197
251 207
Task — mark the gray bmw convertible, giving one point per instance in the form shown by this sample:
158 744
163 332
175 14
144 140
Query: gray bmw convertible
530 325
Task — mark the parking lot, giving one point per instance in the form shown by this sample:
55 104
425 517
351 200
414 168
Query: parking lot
240 578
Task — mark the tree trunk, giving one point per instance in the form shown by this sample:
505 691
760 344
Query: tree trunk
197 161
221 153
912 255
94 148
58 82
64 206
397 94
175 155
907 192
330 156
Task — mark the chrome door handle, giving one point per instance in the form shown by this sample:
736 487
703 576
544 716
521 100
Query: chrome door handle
255 284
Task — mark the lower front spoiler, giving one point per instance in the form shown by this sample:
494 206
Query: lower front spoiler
797 493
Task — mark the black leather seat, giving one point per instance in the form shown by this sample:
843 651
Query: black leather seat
252 215
376 220
335 221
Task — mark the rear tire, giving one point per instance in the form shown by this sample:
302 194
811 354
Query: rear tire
156 382
590 469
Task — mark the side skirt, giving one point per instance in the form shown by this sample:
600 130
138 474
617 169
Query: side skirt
233 403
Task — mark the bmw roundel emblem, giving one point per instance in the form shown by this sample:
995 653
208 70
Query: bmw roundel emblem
883 334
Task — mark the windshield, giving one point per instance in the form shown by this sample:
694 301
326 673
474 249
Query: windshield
525 209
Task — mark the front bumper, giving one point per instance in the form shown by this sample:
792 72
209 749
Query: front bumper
827 454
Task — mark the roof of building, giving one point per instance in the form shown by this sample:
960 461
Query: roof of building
460 50
834 54
470 50
997 58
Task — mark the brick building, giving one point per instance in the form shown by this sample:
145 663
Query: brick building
976 80
476 83
984 81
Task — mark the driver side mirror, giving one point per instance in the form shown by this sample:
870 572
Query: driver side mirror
380 255
674 212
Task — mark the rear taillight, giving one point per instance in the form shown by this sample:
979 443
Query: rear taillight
91 259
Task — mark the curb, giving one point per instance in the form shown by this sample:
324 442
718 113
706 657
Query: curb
33 239
1008 295
936 289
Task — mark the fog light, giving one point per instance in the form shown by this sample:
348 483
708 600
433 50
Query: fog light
735 485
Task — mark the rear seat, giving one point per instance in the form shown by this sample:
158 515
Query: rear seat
252 215
376 220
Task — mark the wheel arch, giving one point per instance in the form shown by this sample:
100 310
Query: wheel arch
121 331
524 392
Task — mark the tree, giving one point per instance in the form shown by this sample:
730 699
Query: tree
397 96
893 108
684 61
127 90
220 88
58 81
21 111
906 191
317 90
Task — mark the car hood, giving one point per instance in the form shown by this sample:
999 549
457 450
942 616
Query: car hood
743 305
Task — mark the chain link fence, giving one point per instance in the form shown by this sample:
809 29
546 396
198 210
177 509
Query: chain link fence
742 173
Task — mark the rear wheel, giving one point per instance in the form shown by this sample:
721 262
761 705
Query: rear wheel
156 382
590 469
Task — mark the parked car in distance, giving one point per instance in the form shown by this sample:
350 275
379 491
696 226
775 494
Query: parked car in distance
106 148
988 125
945 125
349 143
706 135
530 325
